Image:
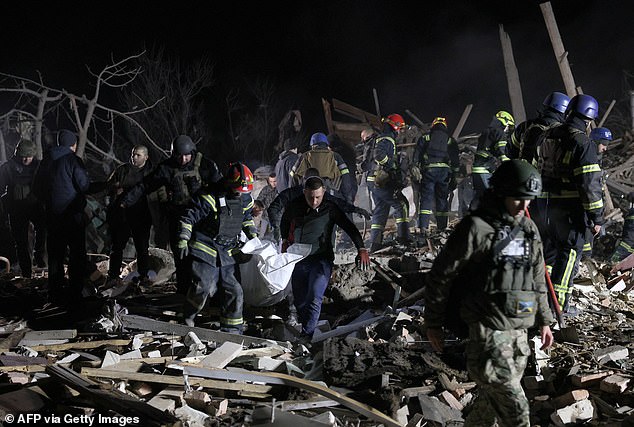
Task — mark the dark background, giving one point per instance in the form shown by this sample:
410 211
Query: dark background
431 58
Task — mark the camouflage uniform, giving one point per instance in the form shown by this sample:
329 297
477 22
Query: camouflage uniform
499 293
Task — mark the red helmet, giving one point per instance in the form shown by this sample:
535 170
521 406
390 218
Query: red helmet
395 121
239 178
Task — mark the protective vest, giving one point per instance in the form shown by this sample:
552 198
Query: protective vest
230 220
556 154
436 152
184 184
323 160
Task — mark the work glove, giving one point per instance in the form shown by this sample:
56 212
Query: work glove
182 249
414 171
363 259
277 234
367 215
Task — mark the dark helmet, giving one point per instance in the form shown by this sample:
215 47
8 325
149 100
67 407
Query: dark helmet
182 145
584 106
602 135
26 148
557 101
319 139
518 179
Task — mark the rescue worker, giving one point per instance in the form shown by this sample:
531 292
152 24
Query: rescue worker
490 276
311 220
348 155
285 163
385 181
626 245
334 171
176 180
435 165
528 135
61 182
573 195
132 221
210 233
491 151
23 208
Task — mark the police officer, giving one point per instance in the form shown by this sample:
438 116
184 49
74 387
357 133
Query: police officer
490 274
311 220
176 180
133 221
385 181
573 194
491 151
435 164
528 135
16 178
210 233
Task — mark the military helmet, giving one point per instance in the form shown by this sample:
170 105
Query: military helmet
26 148
517 179
602 135
584 106
557 101
182 145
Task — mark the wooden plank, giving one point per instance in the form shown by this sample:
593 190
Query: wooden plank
345 329
607 113
147 324
173 380
512 77
222 356
111 400
300 405
558 47
288 380
357 113
327 115
463 119
85 344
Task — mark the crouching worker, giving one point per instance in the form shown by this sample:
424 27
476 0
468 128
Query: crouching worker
210 234
490 274
310 219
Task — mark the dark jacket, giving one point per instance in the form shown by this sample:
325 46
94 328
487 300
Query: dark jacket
169 177
125 177
17 180
302 224
62 182
283 168
279 204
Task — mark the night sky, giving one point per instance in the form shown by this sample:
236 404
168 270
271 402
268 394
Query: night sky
432 60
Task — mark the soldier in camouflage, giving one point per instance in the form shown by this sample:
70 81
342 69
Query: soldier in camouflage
490 275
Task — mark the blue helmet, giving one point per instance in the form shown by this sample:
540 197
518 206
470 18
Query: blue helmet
601 134
585 106
557 101
319 138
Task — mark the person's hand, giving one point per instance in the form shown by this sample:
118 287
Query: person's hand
546 336
436 338
596 229
414 171
183 249
367 215
363 259
285 245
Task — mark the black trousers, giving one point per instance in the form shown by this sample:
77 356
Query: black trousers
128 224
66 232
20 220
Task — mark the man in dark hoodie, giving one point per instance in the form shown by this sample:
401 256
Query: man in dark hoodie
16 177
61 182
133 221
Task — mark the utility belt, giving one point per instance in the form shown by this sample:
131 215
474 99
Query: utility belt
227 241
